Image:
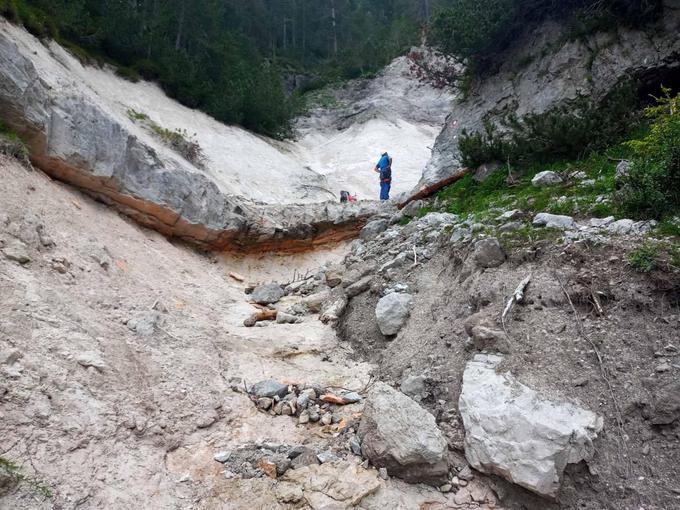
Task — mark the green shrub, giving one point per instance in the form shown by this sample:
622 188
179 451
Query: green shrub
652 187
572 130
644 258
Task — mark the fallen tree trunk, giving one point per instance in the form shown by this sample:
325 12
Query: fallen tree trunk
433 188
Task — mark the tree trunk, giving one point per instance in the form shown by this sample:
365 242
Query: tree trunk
180 27
335 30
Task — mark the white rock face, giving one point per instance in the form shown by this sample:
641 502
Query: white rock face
511 431
392 311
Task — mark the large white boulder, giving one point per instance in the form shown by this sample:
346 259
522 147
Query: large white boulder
392 312
546 178
554 221
513 432
397 434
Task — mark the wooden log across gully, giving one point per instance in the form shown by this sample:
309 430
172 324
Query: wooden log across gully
433 188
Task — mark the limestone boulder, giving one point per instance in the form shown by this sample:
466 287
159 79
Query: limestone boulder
546 179
554 221
267 294
399 435
392 312
514 432
488 253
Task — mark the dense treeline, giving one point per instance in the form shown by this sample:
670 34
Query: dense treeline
227 57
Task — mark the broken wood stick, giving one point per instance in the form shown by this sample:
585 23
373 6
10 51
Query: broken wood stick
517 297
262 315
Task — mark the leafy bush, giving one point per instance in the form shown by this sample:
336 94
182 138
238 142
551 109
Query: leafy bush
652 187
572 130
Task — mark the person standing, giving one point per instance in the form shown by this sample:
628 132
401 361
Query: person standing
384 168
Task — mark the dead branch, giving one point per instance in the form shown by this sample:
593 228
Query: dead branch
517 297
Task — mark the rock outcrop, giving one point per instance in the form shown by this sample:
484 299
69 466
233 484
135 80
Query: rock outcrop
511 431
397 434
591 67
76 138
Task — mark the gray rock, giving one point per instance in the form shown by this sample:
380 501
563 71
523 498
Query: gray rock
302 401
326 456
483 171
145 323
382 473
392 312
500 415
287 318
622 170
514 214
601 222
352 397
399 435
359 287
355 445
222 457
373 228
307 457
91 359
459 234
622 227
553 221
304 417
411 209
466 474
414 386
666 404
264 403
17 251
488 253
437 220
267 294
398 261
269 388
511 226
546 178
334 275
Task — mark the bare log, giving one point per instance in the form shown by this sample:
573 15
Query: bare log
433 188
517 297
262 315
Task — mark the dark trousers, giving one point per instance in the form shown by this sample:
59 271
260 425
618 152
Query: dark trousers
385 190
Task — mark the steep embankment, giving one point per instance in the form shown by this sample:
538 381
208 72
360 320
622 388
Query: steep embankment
549 68
110 137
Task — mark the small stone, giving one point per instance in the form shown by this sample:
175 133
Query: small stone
287 318
352 397
446 487
314 416
17 251
304 417
581 381
306 458
222 457
302 401
326 456
326 419
89 359
645 449
264 403
268 467
269 388
662 367
355 445
466 474
392 312
488 253
382 473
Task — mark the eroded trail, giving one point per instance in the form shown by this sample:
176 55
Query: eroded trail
121 353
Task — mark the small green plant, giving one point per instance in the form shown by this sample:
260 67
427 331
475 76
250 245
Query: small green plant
13 146
644 258
178 140
11 471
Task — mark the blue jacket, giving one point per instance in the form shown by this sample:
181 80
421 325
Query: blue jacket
384 167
